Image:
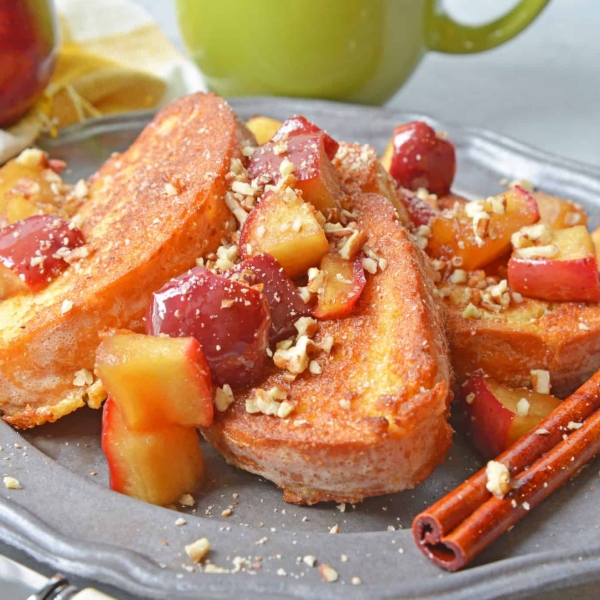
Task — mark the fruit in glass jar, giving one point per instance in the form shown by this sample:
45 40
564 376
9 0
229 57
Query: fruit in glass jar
497 416
28 44
305 156
34 250
287 228
263 128
564 269
285 303
417 157
156 381
480 232
156 466
343 283
230 320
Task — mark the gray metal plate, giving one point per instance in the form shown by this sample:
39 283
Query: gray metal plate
66 516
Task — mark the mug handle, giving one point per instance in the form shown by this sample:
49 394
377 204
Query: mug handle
446 35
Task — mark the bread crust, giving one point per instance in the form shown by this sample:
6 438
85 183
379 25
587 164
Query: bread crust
140 233
390 360
561 337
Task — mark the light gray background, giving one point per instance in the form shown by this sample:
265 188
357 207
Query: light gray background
543 89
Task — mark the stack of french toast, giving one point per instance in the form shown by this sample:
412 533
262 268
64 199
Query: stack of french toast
306 305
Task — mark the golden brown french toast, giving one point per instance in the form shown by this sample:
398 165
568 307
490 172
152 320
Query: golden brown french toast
151 212
560 337
374 420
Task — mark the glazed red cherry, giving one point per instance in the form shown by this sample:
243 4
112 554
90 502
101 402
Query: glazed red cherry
230 320
421 159
285 303
33 251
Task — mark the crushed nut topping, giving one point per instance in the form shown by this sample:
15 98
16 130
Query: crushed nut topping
540 381
523 407
223 398
294 359
498 479
198 550
10 483
83 377
328 574
272 402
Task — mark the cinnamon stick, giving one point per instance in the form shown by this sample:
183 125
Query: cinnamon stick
457 527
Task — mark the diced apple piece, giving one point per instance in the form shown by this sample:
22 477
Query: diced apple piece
157 466
230 320
497 415
27 183
420 212
479 232
285 227
285 303
343 283
417 157
299 125
34 250
557 213
263 128
566 268
596 240
156 381
306 157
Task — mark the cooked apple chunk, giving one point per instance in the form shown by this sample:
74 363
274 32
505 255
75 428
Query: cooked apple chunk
287 228
480 232
156 381
557 213
343 283
306 157
498 415
263 128
561 267
156 466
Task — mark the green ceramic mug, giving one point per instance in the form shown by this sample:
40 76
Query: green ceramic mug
351 50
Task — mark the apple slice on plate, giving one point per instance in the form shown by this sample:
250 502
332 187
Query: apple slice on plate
563 269
497 416
417 157
343 283
479 232
287 228
154 466
285 303
156 381
230 320
263 128
33 251
307 157
559 214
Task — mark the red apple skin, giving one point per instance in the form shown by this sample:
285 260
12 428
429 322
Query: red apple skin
555 280
298 125
37 236
316 176
488 421
234 338
156 381
419 211
422 159
492 420
285 303
157 466
28 44
336 299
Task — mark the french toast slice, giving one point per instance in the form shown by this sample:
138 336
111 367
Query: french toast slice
390 368
560 337
151 212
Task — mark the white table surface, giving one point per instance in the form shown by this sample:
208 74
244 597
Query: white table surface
543 88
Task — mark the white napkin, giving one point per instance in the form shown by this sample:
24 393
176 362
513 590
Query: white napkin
119 32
